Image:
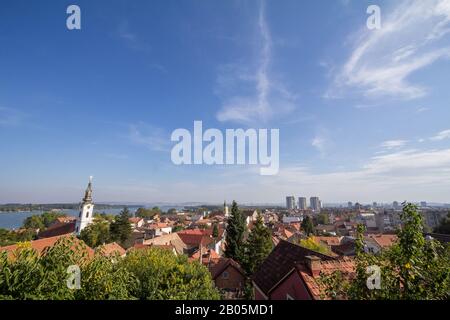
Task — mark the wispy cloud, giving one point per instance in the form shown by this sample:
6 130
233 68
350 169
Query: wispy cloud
422 109
149 136
270 98
382 61
445 134
319 143
131 38
393 144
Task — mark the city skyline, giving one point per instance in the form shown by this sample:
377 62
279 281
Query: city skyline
362 114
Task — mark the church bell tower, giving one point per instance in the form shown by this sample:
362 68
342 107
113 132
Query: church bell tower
85 216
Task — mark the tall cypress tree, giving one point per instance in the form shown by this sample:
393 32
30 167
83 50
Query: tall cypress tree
120 228
307 225
258 246
235 234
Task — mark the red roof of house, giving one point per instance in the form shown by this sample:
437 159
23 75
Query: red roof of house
111 249
208 256
283 258
383 240
40 245
134 219
346 266
58 229
217 269
330 241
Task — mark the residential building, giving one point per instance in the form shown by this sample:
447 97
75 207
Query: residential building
302 203
278 266
290 203
315 204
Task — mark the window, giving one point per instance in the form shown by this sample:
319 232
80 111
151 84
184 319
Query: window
87 214
225 275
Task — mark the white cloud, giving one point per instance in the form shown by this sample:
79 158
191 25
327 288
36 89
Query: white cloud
422 109
393 144
270 97
152 137
411 38
319 143
441 136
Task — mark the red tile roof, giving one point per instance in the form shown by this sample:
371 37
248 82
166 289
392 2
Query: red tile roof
346 266
283 258
383 240
58 229
40 245
217 269
111 249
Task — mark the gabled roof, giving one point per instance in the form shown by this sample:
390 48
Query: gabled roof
346 266
217 269
283 258
111 249
40 245
58 229
383 240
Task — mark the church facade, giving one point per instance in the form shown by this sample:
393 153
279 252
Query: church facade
86 214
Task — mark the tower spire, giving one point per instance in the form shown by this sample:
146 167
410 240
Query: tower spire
88 193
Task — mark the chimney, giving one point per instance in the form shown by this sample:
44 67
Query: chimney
313 265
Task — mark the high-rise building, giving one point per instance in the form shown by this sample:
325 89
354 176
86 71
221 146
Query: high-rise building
350 204
315 203
423 204
302 203
86 210
290 202
375 205
395 205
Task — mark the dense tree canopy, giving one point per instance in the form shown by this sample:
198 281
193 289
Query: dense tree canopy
444 226
96 233
147 213
143 274
235 233
41 221
307 225
8 237
313 244
163 275
257 247
120 229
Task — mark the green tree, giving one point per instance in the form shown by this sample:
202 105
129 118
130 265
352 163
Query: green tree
33 222
215 231
444 226
307 226
96 233
8 237
258 246
163 275
312 244
235 234
29 275
145 213
322 218
412 269
120 229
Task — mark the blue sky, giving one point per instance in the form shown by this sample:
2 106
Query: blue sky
363 114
